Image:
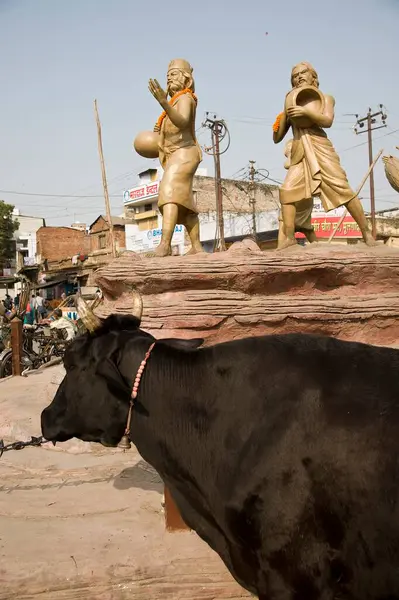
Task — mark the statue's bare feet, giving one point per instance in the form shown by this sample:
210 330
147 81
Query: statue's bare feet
196 249
369 240
287 243
160 251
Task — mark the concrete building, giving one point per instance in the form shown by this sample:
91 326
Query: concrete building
388 213
238 226
25 236
144 233
25 251
140 202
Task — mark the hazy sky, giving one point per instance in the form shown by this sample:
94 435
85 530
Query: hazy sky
57 56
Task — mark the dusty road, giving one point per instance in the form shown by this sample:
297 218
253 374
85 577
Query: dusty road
82 522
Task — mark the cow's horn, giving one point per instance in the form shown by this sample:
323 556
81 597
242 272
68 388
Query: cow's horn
90 320
137 309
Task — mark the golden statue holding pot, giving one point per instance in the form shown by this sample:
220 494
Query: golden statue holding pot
174 141
313 166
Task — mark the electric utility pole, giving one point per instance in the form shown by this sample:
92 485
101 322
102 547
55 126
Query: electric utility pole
372 123
254 175
252 201
219 131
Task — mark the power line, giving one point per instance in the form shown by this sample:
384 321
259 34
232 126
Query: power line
277 181
235 207
236 174
120 177
53 195
365 143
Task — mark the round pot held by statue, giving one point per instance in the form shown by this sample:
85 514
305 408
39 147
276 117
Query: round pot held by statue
146 144
306 97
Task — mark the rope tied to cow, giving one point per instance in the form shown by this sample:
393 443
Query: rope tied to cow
125 441
20 445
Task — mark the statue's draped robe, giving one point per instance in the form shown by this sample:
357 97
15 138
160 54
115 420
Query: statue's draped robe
315 170
179 155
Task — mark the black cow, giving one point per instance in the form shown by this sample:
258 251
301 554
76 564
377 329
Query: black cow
281 452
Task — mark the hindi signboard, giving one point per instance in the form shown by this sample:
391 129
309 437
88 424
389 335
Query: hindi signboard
324 226
142 192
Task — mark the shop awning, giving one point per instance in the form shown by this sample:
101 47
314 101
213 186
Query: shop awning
51 283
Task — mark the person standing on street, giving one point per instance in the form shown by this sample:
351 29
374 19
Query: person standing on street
40 308
33 307
7 302
29 316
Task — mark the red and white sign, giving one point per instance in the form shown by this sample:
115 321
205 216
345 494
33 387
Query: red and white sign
142 192
324 226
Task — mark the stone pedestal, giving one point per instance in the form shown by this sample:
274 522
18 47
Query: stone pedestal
350 292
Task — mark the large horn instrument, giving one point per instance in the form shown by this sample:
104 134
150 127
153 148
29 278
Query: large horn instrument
307 96
89 319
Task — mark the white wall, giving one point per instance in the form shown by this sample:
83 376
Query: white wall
389 213
27 224
236 225
26 232
146 241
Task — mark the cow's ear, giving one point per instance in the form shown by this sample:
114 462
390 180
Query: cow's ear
108 370
183 344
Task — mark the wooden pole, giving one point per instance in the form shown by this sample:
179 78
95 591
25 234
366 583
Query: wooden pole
105 185
16 345
359 189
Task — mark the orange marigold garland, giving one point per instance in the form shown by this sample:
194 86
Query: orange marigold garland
276 125
171 101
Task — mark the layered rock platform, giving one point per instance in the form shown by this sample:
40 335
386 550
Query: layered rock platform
350 292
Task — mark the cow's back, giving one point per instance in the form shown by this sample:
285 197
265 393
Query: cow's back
294 478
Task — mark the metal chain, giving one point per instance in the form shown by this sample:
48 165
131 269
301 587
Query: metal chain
34 441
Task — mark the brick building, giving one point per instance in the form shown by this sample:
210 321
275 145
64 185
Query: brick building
68 257
57 243
99 233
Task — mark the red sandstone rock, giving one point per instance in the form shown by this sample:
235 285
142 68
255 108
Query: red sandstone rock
351 292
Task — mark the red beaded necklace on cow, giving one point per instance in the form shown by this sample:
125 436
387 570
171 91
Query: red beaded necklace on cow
125 441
